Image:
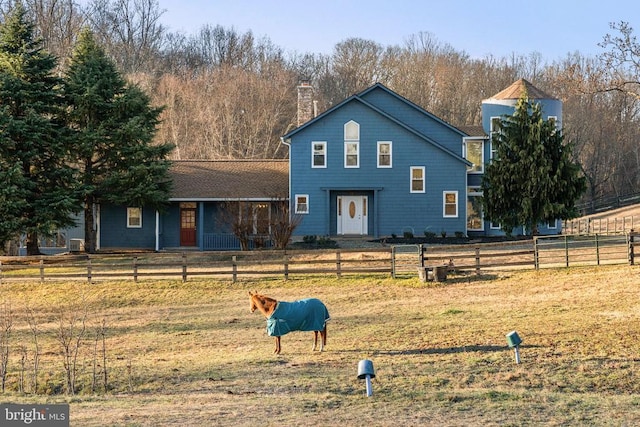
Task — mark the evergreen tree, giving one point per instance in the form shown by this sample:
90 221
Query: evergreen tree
532 180
114 127
38 193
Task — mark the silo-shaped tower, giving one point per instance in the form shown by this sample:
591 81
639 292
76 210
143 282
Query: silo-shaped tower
504 103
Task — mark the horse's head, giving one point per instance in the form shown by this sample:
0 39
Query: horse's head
262 303
252 304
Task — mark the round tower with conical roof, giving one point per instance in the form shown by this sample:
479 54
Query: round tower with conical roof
504 103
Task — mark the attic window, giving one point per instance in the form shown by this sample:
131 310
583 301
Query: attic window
351 145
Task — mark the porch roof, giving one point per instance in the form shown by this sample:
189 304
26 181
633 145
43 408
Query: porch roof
230 179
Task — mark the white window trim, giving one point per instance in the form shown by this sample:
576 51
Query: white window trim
492 150
555 120
552 225
357 144
444 204
297 207
477 193
313 153
130 217
494 227
390 165
464 154
424 179
352 141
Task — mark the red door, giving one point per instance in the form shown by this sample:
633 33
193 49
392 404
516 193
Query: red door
187 227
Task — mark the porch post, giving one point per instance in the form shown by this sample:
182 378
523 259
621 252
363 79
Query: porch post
157 231
200 226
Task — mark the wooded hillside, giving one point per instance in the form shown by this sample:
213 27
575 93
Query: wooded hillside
231 95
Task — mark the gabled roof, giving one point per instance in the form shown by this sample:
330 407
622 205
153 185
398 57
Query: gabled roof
518 88
359 98
229 179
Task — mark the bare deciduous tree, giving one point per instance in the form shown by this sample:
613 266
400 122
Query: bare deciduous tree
6 325
130 31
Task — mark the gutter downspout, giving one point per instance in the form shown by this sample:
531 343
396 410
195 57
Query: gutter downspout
291 201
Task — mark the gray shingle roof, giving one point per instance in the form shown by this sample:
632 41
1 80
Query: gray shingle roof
230 179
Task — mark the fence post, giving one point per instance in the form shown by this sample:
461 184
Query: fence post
234 267
184 267
41 270
597 242
338 264
421 255
135 269
286 267
630 246
536 260
477 260
88 269
393 262
566 251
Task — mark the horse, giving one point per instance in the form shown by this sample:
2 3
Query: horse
308 314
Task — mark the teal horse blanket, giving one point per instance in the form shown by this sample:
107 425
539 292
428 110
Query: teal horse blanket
303 315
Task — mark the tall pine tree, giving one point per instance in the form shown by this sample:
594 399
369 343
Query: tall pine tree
38 195
532 179
114 126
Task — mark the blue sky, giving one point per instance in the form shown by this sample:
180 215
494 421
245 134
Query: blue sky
552 28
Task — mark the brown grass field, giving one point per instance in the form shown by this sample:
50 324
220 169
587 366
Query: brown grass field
191 354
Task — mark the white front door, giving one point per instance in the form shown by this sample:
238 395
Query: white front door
352 215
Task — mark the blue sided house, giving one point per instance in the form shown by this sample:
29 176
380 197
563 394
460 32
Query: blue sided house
205 204
374 165
378 165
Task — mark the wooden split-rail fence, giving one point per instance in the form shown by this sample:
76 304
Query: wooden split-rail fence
397 261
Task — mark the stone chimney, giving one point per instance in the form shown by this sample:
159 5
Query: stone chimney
305 102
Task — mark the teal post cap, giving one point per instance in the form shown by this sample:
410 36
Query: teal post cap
513 339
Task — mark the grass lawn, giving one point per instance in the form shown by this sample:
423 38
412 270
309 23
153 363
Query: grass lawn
191 354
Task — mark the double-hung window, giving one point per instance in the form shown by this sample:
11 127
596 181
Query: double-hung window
351 145
417 179
134 217
450 204
302 204
384 154
319 154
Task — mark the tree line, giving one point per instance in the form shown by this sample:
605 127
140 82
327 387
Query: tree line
70 138
227 94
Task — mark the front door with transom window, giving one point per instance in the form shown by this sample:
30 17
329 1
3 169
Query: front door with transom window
352 215
187 224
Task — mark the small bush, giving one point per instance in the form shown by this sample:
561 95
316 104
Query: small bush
429 234
459 234
310 239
